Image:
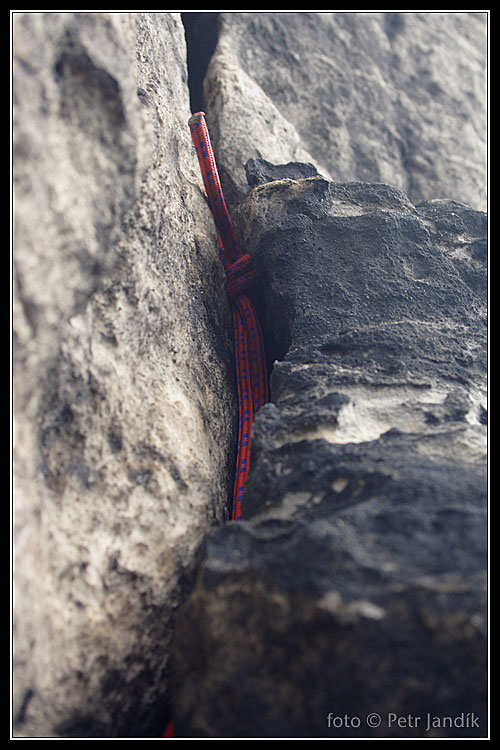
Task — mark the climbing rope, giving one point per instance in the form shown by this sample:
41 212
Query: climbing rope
251 374
251 371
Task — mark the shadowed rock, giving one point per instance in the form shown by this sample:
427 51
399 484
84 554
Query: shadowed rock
357 582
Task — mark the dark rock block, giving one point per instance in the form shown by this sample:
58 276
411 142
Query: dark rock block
357 583
259 171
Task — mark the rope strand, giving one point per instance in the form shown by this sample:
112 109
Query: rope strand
251 371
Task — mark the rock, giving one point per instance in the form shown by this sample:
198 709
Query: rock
259 171
398 98
124 399
356 585
243 120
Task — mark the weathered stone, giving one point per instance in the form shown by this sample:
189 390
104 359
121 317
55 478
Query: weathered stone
398 98
259 171
124 395
357 582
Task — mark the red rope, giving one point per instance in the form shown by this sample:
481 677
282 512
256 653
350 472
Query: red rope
251 371
251 374
169 731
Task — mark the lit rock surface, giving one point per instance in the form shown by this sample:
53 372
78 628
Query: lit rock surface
124 396
398 98
357 582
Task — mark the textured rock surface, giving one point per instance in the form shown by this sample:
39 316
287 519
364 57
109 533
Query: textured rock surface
124 405
398 98
357 582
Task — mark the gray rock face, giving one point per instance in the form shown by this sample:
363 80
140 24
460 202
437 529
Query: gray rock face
124 397
398 98
357 582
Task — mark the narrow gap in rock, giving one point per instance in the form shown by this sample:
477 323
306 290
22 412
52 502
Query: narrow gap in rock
201 30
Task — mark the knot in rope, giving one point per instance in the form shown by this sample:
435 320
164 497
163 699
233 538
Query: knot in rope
251 371
241 275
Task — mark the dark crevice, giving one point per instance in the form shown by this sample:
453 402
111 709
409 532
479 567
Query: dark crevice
201 30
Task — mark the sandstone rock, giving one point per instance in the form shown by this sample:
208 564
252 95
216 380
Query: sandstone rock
124 397
357 582
398 98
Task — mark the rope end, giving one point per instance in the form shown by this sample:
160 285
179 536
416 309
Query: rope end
196 118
